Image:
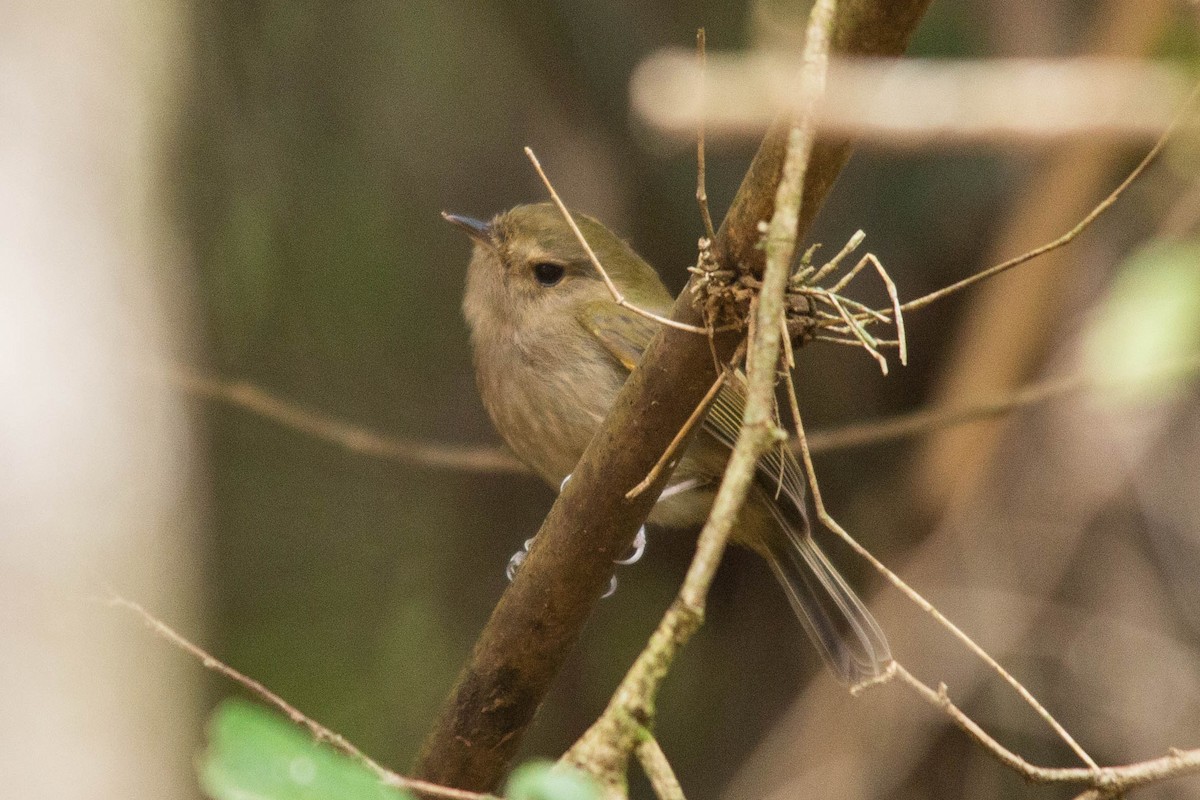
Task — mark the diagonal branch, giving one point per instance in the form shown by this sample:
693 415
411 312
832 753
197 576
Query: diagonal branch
539 617
604 750
319 732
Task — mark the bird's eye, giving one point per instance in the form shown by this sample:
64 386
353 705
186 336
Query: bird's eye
548 274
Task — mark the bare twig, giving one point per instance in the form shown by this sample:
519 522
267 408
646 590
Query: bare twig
925 605
831 266
1070 235
605 748
669 453
255 399
318 731
930 101
617 297
658 769
922 422
701 183
352 437
1105 782
858 332
895 298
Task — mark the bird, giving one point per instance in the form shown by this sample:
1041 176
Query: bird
552 348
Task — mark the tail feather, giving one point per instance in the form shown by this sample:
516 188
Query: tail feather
845 633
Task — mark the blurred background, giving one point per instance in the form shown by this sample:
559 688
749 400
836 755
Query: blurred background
251 191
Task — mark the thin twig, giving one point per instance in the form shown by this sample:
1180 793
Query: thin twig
701 182
658 769
315 729
604 749
352 437
923 422
844 281
669 453
925 605
832 265
849 342
256 400
617 297
1070 235
789 353
1105 781
895 298
859 333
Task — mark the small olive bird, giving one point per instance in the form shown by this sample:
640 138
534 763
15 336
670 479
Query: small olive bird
552 348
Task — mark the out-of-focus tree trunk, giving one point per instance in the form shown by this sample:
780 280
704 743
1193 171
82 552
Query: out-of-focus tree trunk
94 471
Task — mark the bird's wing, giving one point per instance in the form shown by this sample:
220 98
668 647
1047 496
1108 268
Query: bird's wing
778 470
623 333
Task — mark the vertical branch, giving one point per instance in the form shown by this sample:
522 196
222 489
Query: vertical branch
605 748
701 171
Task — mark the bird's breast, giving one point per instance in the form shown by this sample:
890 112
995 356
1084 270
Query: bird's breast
547 399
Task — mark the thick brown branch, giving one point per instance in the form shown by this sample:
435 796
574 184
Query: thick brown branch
541 614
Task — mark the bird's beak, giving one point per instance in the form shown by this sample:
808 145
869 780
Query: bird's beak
479 231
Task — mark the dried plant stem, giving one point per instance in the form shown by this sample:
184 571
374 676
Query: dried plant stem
344 434
923 422
831 266
680 437
1104 781
925 605
605 748
318 731
1070 235
250 397
858 332
701 182
658 769
894 296
617 297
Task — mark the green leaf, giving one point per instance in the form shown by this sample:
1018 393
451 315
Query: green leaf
545 780
1150 319
255 754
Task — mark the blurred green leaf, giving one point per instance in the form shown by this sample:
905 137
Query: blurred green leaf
1150 319
255 754
544 780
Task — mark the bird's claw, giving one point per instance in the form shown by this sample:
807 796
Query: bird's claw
637 550
635 554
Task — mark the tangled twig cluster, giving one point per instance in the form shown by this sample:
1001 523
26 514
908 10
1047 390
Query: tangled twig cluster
811 311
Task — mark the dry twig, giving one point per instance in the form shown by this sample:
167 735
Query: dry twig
925 605
701 183
1104 782
354 438
318 731
669 454
617 297
1070 235
919 423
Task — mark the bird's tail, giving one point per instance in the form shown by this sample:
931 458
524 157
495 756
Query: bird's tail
845 633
